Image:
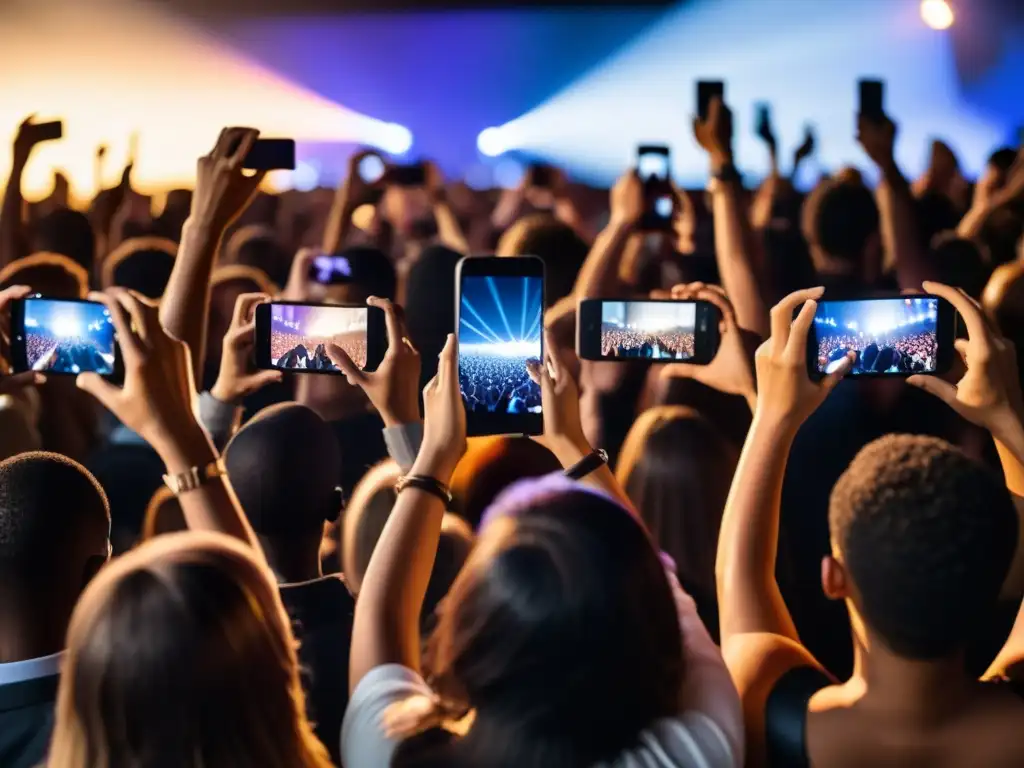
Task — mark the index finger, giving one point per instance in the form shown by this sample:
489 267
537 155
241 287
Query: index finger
394 326
127 339
977 327
244 306
782 316
8 295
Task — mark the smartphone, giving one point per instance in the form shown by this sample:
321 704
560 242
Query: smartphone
408 175
50 131
762 118
271 155
653 165
293 336
707 90
499 307
872 98
540 175
63 337
331 270
891 337
647 330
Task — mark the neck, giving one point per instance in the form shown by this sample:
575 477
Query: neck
922 691
293 560
31 626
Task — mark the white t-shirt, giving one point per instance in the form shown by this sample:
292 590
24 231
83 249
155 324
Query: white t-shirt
708 733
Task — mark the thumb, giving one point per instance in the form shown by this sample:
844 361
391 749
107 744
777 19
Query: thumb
943 390
533 369
264 378
99 388
341 359
830 381
679 371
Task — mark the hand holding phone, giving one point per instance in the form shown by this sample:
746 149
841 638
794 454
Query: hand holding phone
499 310
235 379
707 91
871 98
653 165
271 155
31 133
713 126
763 124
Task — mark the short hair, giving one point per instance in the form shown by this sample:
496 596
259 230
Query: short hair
961 262
68 233
430 304
1003 158
845 220
377 276
285 467
927 536
557 244
51 274
47 501
143 264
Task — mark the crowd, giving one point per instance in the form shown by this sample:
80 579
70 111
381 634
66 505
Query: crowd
212 565
67 354
655 345
495 384
906 353
293 350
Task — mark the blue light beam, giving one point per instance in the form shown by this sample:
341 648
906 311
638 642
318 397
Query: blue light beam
476 330
522 317
501 310
484 323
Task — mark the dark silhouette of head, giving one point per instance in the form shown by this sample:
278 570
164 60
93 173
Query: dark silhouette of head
181 653
677 468
492 464
430 304
936 214
376 273
557 244
844 223
560 632
285 467
960 262
54 536
142 264
226 284
256 245
68 233
922 539
1003 301
50 274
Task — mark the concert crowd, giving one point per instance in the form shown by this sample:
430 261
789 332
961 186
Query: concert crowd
656 345
293 350
209 565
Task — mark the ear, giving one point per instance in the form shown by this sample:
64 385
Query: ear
834 580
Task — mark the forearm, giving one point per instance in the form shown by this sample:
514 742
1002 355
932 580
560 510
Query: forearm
748 594
339 223
213 505
900 236
386 625
448 230
600 270
11 242
735 255
185 306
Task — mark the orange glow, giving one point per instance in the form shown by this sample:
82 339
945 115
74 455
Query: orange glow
112 67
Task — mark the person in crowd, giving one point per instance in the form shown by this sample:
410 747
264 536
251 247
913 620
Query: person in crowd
558 244
142 264
922 541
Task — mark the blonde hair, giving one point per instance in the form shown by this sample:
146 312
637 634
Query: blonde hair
180 653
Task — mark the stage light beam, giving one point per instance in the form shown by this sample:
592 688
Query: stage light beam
491 142
937 14
501 309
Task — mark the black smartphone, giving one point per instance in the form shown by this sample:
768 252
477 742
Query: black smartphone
871 95
293 336
63 337
499 307
541 175
654 166
414 175
898 336
50 131
707 90
647 330
331 270
271 155
762 118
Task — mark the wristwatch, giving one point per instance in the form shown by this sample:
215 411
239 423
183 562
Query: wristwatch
589 463
193 477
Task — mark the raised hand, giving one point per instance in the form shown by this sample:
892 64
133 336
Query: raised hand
238 377
299 287
223 190
561 399
156 400
732 370
806 148
877 137
444 425
714 134
393 387
28 136
786 394
12 384
989 394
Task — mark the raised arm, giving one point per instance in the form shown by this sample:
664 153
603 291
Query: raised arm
351 193
749 599
157 403
734 241
222 192
449 231
764 198
599 274
896 206
386 626
988 200
12 236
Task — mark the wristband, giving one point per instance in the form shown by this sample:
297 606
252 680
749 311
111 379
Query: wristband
193 477
589 463
427 485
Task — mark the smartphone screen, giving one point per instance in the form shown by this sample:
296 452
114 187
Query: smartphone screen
652 163
654 168
294 337
895 337
331 270
60 336
650 331
500 311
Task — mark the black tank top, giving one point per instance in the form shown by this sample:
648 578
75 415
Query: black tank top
785 714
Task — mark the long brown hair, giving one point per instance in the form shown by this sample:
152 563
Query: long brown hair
180 653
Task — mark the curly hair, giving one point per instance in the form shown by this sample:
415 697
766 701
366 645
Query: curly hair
927 535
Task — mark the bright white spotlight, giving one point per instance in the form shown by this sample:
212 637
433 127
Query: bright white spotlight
490 142
394 138
937 14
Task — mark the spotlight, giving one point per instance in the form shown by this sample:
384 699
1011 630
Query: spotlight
394 138
490 142
937 14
